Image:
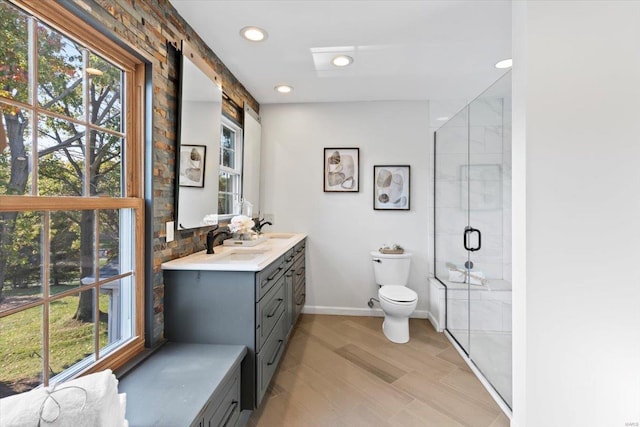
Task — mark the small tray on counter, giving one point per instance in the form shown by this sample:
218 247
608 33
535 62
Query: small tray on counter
244 243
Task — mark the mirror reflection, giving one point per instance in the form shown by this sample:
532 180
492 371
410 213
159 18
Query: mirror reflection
197 158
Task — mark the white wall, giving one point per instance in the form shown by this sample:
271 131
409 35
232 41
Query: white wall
576 224
343 227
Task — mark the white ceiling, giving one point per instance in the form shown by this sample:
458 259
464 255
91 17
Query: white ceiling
403 50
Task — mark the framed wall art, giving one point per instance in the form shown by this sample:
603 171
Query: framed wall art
192 163
391 187
341 170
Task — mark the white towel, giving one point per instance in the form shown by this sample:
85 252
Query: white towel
460 276
90 401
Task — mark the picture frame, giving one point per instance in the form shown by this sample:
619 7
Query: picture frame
392 187
341 172
192 165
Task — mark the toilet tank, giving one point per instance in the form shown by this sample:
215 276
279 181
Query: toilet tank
391 269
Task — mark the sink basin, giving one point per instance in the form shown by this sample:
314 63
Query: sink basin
238 256
280 235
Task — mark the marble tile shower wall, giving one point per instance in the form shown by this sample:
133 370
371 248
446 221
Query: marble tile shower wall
147 26
481 142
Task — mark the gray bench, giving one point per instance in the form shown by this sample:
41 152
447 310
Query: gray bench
185 385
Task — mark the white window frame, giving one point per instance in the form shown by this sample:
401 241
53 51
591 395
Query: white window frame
239 163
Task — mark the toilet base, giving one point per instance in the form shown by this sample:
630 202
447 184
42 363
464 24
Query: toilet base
396 329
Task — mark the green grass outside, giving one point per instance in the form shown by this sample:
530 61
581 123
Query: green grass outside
70 340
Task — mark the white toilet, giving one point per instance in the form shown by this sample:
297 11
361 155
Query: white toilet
397 301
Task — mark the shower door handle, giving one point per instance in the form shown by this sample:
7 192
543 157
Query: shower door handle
467 232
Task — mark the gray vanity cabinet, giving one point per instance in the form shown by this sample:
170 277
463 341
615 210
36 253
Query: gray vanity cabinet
254 309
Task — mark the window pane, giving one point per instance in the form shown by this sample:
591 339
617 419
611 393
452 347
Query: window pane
105 96
228 138
59 73
110 314
72 250
21 353
71 330
15 162
14 61
61 164
107 152
109 243
225 204
228 158
20 259
225 185
227 147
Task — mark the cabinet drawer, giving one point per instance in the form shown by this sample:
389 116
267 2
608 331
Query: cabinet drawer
226 407
269 276
299 249
269 310
268 358
289 257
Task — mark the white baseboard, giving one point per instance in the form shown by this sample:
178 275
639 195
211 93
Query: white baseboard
434 322
351 311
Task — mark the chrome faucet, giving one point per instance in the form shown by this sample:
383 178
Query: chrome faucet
214 234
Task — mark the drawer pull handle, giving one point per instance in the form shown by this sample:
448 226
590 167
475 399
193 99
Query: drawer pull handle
275 355
290 273
290 258
273 275
301 299
273 312
230 411
300 272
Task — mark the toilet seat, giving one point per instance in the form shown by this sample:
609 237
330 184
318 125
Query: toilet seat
398 294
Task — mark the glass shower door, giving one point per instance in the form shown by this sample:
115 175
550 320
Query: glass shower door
488 202
451 218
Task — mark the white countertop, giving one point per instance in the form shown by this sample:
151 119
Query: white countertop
233 258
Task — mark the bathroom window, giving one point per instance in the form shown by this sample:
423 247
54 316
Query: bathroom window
230 174
71 206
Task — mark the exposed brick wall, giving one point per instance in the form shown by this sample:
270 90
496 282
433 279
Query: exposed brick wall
147 26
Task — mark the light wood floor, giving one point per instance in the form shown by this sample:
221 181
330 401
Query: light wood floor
342 371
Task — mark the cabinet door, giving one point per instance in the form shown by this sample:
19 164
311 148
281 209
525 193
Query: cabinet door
226 408
268 358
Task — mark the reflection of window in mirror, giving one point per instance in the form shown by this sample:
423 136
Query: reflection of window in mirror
230 173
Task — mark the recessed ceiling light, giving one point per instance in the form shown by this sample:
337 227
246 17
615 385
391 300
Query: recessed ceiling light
253 34
505 63
442 119
342 60
283 88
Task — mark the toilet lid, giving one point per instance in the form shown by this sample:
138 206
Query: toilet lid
398 293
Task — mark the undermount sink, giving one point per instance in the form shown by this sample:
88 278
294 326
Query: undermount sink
280 235
245 255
